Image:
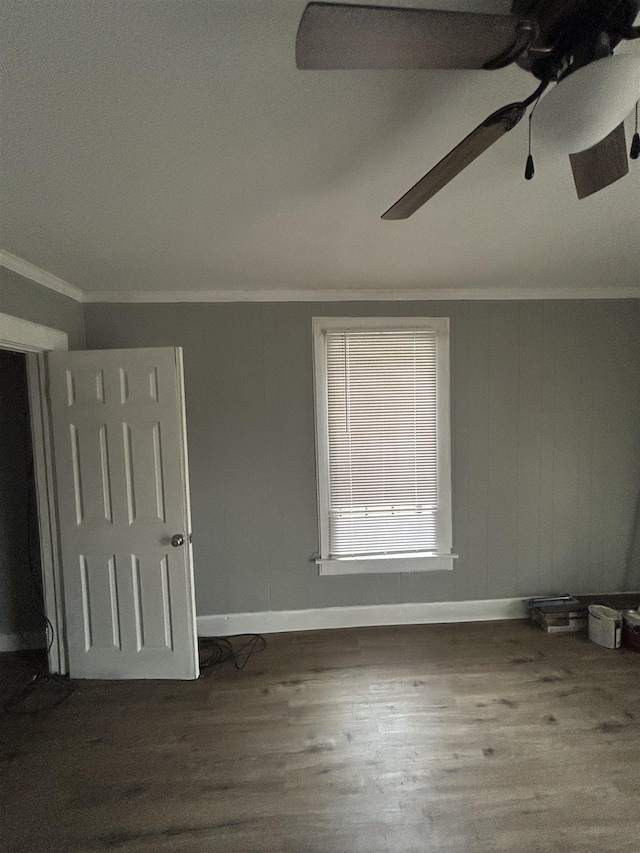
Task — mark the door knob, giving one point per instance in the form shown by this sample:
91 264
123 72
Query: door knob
177 540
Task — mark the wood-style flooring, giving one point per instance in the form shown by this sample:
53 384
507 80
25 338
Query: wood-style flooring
442 738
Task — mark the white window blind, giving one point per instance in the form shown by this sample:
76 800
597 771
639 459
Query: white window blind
382 443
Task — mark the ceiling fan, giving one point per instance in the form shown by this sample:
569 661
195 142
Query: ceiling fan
551 39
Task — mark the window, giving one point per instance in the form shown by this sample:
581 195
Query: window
383 444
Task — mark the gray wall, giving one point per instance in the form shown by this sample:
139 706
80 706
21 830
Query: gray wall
20 604
546 448
30 301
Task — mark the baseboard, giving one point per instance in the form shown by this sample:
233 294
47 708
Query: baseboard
275 621
23 640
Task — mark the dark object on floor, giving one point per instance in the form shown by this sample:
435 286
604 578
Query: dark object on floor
631 630
215 651
44 690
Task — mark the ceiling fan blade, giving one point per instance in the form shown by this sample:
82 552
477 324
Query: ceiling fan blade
336 35
605 163
471 147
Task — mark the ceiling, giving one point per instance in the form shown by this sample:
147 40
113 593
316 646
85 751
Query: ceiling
156 147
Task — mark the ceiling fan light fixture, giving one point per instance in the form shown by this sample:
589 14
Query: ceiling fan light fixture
588 104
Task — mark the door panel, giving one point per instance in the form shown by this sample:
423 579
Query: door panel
119 436
143 471
100 612
91 474
151 586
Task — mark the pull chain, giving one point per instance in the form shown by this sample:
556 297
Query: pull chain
635 144
530 169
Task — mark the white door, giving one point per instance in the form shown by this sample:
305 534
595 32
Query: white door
122 482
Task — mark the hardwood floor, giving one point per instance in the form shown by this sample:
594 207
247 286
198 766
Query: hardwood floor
478 737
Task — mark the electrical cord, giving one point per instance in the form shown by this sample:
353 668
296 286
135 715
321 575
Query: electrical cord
18 702
216 651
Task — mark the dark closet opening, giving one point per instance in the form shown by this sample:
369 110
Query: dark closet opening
22 618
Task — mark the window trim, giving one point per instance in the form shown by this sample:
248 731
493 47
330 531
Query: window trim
424 562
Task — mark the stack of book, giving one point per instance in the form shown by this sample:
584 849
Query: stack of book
558 614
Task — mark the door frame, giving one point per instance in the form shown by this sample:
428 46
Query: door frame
34 340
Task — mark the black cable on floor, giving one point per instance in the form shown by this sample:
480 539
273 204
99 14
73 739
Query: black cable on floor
216 651
19 701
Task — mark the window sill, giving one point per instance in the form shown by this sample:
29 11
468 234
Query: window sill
383 565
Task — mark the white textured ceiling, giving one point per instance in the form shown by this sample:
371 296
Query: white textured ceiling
173 146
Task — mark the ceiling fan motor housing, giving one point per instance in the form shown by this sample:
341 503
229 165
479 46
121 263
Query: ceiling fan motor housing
572 33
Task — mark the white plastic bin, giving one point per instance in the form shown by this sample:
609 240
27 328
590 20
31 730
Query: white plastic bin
605 626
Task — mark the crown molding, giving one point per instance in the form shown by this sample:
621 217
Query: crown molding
422 295
47 279
40 276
